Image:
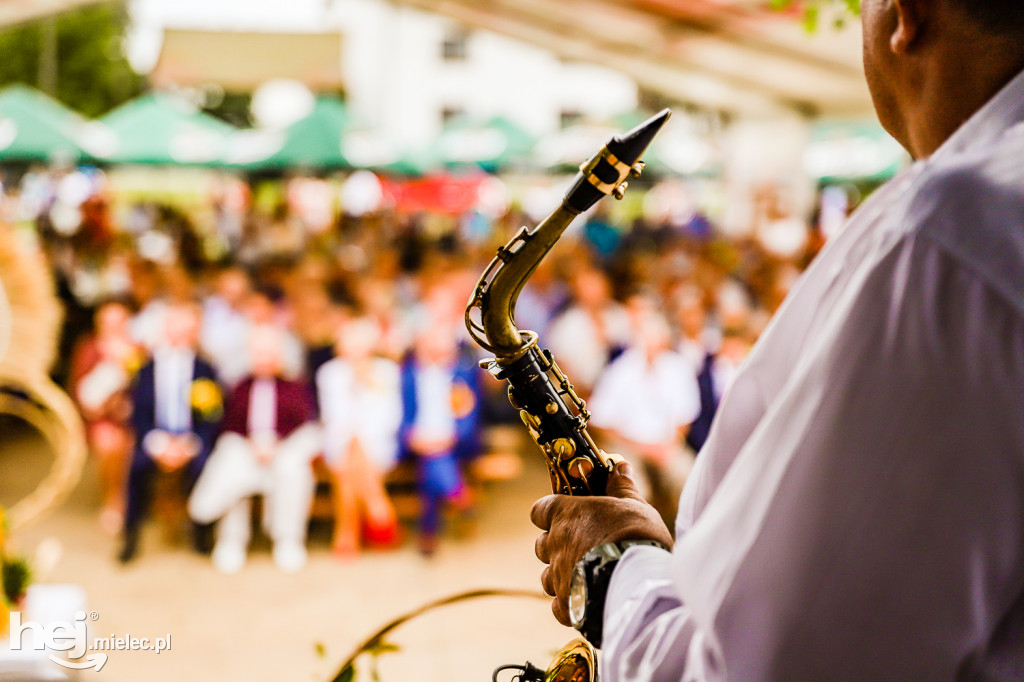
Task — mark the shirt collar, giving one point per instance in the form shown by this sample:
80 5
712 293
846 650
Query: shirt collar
989 123
171 353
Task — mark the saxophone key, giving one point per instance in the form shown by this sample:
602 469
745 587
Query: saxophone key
580 468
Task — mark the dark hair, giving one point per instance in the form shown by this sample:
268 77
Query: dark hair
996 16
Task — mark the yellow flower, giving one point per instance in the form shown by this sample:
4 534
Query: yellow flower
463 400
206 398
5 616
133 362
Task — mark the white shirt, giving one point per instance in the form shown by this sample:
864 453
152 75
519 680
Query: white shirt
858 510
262 422
435 418
173 370
369 411
646 402
581 347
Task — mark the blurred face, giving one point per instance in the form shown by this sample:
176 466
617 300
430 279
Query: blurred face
358 339
182 327
112 320
653 334
259 309
437 345
265 352
591 288
232 286
690 313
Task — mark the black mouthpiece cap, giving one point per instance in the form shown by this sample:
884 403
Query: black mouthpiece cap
627 148
630 146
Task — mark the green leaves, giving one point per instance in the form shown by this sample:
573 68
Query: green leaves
838 12
17 574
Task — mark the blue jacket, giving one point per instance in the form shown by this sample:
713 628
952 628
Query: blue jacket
466 380
206 426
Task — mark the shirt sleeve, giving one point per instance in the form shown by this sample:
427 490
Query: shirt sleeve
872 526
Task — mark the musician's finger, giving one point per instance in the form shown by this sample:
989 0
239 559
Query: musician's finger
542 511
561 615
540 547
547 582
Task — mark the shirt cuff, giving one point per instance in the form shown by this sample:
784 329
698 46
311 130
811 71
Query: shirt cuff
639 569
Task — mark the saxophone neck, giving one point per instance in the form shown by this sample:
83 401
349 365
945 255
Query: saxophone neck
499 288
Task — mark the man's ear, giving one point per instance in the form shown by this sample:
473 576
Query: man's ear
911 17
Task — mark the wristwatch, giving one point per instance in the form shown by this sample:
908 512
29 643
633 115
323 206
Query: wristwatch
589 585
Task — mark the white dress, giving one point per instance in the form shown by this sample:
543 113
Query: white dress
369 412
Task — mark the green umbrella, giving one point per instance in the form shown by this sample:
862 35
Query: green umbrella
313 142
159 128
34 127
491 144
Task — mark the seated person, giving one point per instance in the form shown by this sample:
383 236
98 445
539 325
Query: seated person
270 436
176 410
440 423
361 408
101 375
643 405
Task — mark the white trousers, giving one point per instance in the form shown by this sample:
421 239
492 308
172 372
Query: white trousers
233 475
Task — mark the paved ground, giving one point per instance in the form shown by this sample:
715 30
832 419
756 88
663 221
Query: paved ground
264 625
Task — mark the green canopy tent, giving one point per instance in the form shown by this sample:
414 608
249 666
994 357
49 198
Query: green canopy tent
371 150
34 127
315 142
491 145
161 129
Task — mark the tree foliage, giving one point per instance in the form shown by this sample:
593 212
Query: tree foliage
92 73
815 12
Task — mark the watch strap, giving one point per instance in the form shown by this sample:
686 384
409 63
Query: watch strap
598 566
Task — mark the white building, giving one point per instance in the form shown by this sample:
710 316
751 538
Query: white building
405 72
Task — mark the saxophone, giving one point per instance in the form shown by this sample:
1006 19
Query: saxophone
555 416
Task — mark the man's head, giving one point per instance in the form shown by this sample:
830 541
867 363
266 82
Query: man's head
265 351
181 325
358 339
232 285
112 318
931 64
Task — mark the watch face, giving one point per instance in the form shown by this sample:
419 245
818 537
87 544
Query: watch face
578 597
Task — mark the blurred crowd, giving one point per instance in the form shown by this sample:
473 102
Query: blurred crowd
315 347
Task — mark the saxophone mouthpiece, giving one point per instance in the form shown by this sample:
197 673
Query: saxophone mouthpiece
630 146
605 174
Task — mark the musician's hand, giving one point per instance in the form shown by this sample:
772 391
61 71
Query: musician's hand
575 525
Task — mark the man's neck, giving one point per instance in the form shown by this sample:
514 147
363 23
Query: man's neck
952 93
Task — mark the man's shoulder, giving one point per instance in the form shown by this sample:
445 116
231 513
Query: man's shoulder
972 206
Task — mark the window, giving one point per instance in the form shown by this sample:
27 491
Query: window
454 48
449 114
570 117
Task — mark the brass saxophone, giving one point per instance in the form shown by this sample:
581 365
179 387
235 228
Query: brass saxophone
555 416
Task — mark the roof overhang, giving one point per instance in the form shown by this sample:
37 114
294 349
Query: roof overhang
242 61
731 55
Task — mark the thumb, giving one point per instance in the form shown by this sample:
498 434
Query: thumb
621 483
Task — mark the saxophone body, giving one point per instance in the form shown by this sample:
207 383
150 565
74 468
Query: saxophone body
555 416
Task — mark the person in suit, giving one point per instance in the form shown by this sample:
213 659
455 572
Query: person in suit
269 439
440 423
176 414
